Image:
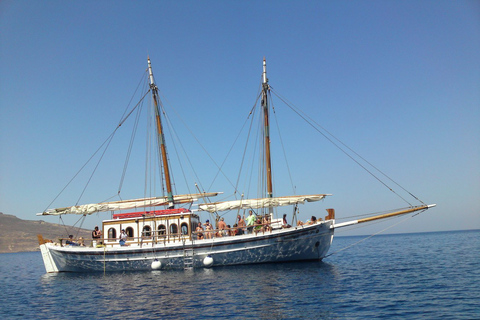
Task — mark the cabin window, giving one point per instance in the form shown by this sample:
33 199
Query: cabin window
112 233
147 231
129 232
184 228
161 230
173 228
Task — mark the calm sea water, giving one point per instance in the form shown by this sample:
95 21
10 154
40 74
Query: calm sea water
408 276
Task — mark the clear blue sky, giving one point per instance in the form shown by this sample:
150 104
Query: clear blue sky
398 81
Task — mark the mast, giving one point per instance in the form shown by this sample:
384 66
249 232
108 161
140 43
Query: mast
161 137
268 161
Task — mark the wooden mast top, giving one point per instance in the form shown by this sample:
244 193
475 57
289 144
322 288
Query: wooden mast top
161 137
265 88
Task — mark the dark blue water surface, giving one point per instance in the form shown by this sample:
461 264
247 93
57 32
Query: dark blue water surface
407 276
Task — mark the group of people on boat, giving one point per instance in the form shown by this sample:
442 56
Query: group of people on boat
71 242
244 225
249 225
96 235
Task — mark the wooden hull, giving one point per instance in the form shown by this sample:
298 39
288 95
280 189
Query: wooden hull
292 244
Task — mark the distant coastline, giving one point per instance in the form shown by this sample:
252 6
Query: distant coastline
17 235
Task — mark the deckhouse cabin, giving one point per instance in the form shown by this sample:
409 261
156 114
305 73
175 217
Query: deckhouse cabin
151 227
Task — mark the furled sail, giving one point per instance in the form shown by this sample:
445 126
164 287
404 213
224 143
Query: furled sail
126 204
259 203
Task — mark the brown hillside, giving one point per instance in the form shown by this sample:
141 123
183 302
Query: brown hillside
17 235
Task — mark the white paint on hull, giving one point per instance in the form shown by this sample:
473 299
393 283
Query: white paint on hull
293 244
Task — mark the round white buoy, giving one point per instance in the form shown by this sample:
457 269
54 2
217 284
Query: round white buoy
208 261
156 264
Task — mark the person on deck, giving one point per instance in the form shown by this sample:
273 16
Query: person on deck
96 235
285 223
258 226
199 231
71 242
123 238
250 221
222 226
208 230
266 223
312 220
241 226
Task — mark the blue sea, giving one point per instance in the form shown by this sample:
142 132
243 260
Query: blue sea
405 276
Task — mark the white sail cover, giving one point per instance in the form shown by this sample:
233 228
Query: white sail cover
259 203
125 204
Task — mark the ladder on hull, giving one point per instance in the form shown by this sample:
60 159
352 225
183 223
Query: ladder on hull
188 258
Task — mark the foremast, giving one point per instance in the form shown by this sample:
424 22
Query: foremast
161 137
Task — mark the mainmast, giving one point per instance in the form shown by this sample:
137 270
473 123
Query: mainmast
161 137
268 162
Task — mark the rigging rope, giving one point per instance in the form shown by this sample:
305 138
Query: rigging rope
109 139
283 146
79 227
203 148
311 122
129 151
372 235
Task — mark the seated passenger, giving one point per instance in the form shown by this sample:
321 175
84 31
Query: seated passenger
312 220
285 223
234 231
70 241
266 223
123 238
258 227
229 230
208 230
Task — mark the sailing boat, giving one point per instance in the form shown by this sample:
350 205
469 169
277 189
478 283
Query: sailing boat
170 238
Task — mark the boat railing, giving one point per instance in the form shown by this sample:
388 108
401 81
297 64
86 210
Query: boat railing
111 242
256 229
160 236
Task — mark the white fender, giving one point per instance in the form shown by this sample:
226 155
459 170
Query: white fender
156 264
208 261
